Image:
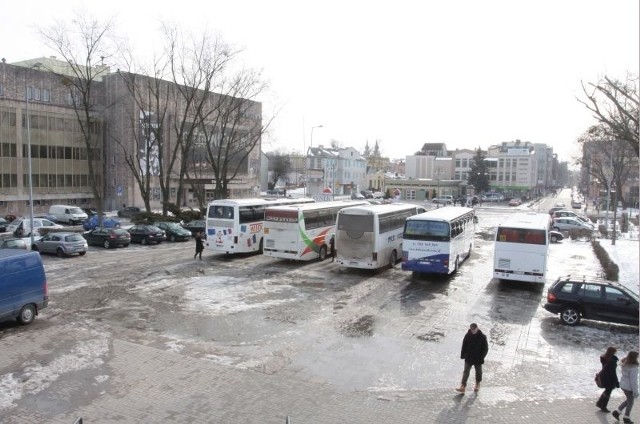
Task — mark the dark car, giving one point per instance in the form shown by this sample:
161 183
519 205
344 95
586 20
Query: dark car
576 298
195 226
129 212
3 225
62 244
173 231
145 234
108 237
14 243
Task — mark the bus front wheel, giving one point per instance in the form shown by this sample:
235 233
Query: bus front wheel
322 255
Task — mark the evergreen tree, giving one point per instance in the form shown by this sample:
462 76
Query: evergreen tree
367 150
479 174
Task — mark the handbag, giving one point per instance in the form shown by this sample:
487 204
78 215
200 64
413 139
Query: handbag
598 380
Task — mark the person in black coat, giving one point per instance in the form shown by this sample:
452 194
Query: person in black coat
199 245
608 376
474 349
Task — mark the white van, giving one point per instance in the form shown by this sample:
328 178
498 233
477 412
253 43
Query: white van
70 214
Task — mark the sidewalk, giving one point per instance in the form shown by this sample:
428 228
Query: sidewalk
148 385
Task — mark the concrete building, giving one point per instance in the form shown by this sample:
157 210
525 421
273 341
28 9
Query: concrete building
513 168
341 169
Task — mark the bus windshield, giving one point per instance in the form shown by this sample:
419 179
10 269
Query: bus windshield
427 230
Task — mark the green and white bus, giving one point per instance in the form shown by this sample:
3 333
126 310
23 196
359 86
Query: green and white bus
302 232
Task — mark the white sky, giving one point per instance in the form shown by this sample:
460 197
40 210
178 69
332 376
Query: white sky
467 73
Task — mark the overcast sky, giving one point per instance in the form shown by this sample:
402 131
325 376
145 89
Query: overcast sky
465 73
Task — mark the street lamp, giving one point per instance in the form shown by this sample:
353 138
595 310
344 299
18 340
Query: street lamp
28 123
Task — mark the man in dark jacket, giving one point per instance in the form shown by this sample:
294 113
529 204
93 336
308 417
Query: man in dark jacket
474 350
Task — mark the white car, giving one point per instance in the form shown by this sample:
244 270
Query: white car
443 200
21 227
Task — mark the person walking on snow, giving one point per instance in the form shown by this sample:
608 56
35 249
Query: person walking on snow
474 350
609 377
628 384
199 245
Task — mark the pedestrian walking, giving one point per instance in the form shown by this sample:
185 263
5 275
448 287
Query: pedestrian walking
332 245
474 350
199 245
608 376
628 384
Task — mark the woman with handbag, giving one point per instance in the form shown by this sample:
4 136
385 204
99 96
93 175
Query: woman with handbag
608 376
628 384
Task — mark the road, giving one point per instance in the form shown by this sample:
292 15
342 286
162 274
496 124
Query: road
357 331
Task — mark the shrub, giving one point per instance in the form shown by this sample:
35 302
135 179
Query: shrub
611 269
151 217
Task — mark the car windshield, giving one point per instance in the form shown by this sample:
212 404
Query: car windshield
75 210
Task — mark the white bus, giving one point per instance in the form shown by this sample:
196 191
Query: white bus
302 232
521 247
235 225
370 237
439 240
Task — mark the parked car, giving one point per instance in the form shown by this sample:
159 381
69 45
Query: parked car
173 231
514 202
129 212
145 234
571 214
443 200
3 225
568 223
23 286
62 244
14 243
556 208
577 298
576 204
21 227
196 226
108 237
555 236
69 214
92 222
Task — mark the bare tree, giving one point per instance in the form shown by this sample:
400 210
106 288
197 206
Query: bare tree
280 165
84 45
610 160
614 104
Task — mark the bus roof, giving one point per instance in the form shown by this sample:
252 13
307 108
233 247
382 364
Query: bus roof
529 220
447 213
259 201
377 209
320 205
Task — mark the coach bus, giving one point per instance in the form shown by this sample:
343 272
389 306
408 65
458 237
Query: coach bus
439 240
370 237
235 225
521 246
302 232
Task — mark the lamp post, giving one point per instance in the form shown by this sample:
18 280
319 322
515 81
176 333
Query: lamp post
28 123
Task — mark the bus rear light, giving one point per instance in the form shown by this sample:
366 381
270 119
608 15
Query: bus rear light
375 256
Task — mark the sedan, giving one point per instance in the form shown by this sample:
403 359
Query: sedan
108 237
514 202
196 226
567 223
145 234
92 222
62 244
14 243
174 231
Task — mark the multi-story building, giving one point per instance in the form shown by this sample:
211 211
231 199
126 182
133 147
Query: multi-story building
119 130
513 168
341 169
463 161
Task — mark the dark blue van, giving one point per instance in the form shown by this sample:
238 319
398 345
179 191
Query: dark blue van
23 285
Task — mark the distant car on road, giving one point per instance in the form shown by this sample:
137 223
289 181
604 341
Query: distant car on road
145 234
92 222
195 226
443 200
173 231
575 298
62 244
514 202
129 212
108 237
576 204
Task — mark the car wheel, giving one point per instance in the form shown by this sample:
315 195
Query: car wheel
556 228
81 253
107 244
172 238
143 241
322 255
393 259
27 314
60 252
554 238
34 248
570 316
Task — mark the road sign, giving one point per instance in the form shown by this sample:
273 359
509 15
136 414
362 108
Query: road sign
119 190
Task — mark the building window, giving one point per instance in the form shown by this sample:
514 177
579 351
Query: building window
46 95
411 194
1 89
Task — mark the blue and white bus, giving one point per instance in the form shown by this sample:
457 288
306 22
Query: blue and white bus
439 240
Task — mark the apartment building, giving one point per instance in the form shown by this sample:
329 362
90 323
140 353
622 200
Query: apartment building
513 167
341 169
